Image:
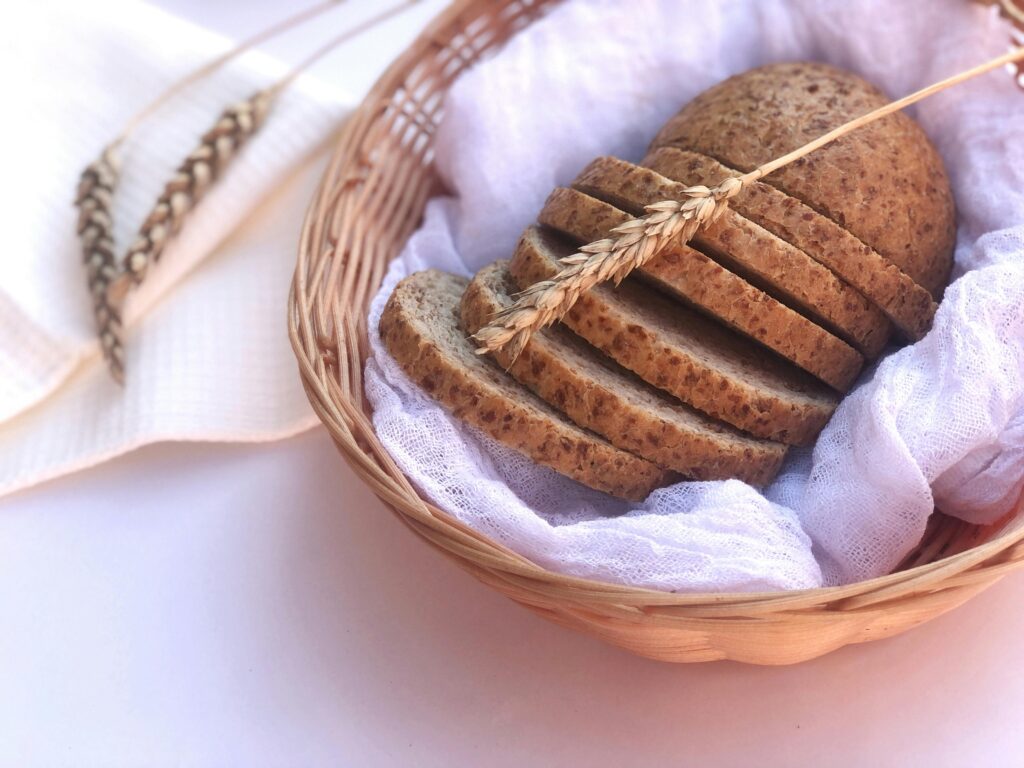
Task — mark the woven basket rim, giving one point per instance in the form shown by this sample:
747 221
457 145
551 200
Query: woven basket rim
342 256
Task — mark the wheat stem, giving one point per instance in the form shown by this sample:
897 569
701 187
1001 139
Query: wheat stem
214 64
669 221
884 111
1009 9
94 201
330 45
203 166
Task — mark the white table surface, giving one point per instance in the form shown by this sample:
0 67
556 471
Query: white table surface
229 605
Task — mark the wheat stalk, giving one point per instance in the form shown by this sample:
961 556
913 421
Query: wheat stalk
639 240
94 201
636 242
193 178
109 281
1009 9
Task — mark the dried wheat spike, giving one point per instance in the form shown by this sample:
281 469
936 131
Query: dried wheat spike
96 231
192 179
632 244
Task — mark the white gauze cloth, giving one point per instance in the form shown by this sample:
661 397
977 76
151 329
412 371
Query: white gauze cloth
937 423
207 349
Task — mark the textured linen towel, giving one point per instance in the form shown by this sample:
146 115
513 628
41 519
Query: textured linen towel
207 350
939 422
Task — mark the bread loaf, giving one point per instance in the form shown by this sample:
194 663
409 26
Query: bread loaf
718 353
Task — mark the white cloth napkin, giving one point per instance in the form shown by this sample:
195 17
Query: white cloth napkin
940 422
207 350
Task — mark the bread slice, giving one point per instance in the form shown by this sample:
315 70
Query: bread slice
885 182
676 349
599 395
785 272
420 328
710 287
908 305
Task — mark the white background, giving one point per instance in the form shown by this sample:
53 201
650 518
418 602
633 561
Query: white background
225 605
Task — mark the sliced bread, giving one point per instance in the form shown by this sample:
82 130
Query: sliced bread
599 395
785 272
676 349
713 289
420 328
908 305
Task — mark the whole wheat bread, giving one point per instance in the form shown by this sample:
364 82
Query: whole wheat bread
420 328
885 182
775 266
676 349
708 286
908 305
600 395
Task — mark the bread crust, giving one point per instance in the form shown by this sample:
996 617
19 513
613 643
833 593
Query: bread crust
420 328
908 305
599 395
716 371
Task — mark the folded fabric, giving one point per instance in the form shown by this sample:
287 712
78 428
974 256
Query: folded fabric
938 422
207 349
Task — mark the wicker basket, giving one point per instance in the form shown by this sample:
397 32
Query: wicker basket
370 200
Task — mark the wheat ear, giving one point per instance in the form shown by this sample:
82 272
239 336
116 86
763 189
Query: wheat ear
109 282
639 240
94 201
635 242
193 178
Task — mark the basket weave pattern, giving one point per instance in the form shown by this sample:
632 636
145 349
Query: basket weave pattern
370 200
